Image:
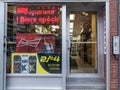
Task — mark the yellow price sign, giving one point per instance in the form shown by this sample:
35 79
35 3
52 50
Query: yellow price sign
50 58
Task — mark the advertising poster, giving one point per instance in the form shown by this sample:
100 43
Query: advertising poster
49 63
40 43
33 63
24 63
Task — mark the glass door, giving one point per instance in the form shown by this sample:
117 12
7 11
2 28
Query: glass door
83 42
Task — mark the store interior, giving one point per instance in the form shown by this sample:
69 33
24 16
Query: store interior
83 56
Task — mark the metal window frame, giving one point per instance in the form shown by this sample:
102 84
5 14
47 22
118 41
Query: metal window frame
63 74
107 45
2 44
64 63
53 1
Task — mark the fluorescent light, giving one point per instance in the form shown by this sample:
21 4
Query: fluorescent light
71 25
84 13
72 16
71 30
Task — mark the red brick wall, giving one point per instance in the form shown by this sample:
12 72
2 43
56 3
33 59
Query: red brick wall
113 60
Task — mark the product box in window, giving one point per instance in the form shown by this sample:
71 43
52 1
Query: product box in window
24 63
40 43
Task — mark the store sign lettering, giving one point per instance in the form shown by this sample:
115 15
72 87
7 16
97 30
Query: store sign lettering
38 15
50 58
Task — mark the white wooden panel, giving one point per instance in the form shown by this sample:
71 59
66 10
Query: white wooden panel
33 83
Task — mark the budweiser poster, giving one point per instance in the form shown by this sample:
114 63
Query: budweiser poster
25 63
35 43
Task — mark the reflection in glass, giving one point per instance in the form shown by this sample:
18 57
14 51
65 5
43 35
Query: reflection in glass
83 53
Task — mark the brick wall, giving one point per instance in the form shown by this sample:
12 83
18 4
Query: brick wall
113 60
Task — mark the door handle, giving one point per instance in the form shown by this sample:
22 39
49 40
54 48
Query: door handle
69 45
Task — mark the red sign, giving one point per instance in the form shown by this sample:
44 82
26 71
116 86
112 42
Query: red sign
35 43
38 15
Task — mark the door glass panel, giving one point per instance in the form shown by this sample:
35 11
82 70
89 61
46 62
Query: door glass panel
34 39
83 40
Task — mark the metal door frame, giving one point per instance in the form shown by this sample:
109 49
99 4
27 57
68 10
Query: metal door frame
100 71
99 37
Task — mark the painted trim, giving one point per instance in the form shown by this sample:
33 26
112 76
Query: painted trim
2 50
53 1
64 47
107 46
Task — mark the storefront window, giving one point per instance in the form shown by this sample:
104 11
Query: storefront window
83 54
34 39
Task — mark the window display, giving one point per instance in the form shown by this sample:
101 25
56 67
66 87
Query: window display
34 39
24 63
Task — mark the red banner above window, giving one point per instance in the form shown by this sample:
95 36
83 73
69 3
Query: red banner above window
38 15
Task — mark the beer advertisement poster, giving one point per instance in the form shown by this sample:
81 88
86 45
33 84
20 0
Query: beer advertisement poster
40 43
33 63
25 63
49 63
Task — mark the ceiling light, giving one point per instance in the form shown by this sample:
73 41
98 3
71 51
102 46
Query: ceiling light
71 25
71 30
72 16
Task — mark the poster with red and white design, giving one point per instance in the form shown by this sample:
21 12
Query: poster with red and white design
40 43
